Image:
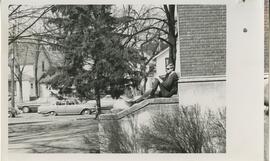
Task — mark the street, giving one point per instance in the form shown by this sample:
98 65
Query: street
35 133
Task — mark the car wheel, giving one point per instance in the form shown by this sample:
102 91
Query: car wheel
25 109
52 113
86 112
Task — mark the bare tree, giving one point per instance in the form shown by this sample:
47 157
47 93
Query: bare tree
19 67
149 24
25 16
148 28
27 29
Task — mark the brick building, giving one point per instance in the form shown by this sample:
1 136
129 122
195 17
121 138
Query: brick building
202 39
201 53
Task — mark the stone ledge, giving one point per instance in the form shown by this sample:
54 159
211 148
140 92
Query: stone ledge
139 106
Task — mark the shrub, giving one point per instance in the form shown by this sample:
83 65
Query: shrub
188 130
118 139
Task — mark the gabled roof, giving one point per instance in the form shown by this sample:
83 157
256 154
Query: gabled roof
25 77
26 55
55 58
162 53
24 58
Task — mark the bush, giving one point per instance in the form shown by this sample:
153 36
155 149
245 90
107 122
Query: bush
185 131
118 140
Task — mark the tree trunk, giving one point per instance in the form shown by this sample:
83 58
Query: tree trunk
21 91
12 73
171 36
36 69
170 13
97 94
12 84
19 75
97 97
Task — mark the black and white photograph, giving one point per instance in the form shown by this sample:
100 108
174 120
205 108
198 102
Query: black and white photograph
130 78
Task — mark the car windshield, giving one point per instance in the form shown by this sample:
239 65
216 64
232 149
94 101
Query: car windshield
107 97
60 102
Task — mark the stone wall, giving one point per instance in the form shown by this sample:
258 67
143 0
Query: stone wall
132 118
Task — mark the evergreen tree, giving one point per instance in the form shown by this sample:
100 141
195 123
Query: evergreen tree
89 39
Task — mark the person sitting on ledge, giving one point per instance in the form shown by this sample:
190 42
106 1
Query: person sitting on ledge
166 83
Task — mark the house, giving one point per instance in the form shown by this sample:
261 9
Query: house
27 86
27 66
162 59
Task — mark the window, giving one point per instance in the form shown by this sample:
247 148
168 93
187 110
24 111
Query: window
63 102
60 102
32 85
70 103
43 66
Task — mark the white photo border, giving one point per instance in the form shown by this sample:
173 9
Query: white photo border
244 85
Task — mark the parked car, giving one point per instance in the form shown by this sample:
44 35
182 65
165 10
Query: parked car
69 106
32 106
105 102
108 103
12 112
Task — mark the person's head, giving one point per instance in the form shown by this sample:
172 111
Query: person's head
169 68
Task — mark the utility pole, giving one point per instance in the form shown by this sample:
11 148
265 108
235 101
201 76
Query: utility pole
36 67
12 73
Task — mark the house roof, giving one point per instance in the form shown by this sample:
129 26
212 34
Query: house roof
26 55
55 58
162 53
25 58
48 78
25 77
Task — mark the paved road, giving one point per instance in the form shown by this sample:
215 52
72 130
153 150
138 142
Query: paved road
34 133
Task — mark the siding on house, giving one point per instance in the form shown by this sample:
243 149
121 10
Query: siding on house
26 93
266 36
161 62
27 63
202 35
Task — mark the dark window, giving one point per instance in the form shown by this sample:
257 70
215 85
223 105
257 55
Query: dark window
63 103
60 102
71 103
32 85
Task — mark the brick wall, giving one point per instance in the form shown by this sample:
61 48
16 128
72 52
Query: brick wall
266 36
202 40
